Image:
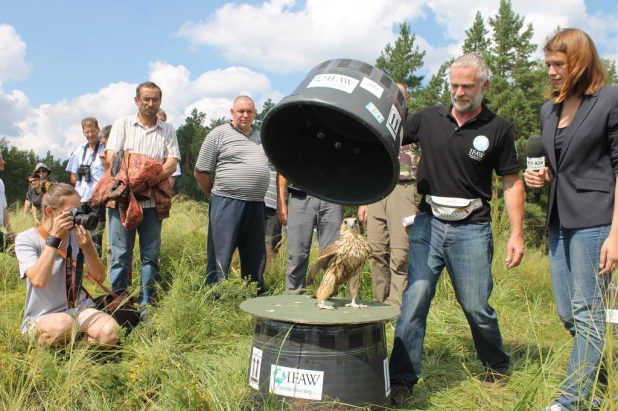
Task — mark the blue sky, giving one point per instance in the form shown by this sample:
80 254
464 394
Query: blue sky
61 61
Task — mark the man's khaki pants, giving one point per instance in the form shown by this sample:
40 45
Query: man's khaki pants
388 239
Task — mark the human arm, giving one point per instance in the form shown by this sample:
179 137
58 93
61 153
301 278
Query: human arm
41 271
609 249
34 215
282 207
27 206
363 211
7 223
73 179
203 181
169 168
514 201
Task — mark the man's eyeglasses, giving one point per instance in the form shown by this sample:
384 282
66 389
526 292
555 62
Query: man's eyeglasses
41 171
148 100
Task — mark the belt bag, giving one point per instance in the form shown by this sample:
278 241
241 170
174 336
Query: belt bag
452 208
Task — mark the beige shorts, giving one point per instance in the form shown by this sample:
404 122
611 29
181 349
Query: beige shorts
82 318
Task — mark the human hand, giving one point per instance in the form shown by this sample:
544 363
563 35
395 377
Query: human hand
609 255
153 181
536 178
514 251
282 213
61 225
363 211
83 237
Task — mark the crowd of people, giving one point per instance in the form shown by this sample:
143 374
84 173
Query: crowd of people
447 158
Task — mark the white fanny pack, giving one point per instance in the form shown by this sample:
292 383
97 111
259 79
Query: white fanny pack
452 208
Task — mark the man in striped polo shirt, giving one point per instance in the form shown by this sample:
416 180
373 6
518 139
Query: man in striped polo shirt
232 170
145 134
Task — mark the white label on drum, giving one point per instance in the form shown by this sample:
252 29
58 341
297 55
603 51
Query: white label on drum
387 378
337 81
372 87
297 383
375 112
256 366
394 122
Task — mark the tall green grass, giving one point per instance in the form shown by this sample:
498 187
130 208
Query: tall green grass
194 352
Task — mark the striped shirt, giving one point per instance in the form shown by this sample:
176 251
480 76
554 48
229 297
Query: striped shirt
270 199
238 162
159 142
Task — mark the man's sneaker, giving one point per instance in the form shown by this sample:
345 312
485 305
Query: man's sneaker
493 379
555 407
400 396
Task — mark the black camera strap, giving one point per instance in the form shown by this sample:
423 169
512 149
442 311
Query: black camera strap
73 277
92 157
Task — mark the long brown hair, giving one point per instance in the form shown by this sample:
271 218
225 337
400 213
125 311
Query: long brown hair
585 73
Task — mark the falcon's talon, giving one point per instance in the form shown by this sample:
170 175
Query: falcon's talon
322 306
354 305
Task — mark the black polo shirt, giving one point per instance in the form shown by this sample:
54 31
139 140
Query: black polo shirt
458 161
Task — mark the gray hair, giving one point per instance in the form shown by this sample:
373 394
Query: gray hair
104 133
475 61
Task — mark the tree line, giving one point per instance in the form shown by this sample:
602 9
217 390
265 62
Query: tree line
517 83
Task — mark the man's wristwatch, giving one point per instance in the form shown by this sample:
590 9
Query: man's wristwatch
52 241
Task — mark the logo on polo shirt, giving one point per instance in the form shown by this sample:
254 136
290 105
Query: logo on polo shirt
480 144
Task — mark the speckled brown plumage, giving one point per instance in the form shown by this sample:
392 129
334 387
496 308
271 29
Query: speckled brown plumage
342 261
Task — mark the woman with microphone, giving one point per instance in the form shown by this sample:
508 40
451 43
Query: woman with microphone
579 131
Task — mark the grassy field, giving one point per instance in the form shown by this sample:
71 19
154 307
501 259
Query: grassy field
194 353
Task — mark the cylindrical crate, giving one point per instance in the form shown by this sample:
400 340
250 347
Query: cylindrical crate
347 363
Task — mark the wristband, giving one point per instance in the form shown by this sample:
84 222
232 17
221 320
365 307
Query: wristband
52 241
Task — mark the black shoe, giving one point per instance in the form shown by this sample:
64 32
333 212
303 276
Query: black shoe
494 379
400 396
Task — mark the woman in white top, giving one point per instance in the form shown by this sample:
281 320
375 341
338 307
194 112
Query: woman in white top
42 263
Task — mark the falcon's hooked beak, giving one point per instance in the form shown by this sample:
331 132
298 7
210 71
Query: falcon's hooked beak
350 222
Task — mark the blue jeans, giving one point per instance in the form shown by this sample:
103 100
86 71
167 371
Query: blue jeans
122 242
466 250
574 263
235 224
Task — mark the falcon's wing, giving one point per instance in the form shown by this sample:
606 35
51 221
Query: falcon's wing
322 262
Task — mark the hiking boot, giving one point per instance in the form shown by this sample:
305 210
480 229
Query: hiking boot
400 396
492 379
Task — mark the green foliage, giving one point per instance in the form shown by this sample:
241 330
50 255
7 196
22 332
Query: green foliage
610 71
477 41
403 60
194 352
268 104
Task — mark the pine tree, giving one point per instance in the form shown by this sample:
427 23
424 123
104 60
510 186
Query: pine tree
477 41
403 60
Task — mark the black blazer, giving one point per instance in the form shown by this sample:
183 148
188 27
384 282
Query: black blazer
583 183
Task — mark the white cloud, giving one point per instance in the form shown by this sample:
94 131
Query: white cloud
13 64
275 37
56 127
283 36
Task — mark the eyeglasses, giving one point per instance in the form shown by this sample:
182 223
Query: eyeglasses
148 100
41 171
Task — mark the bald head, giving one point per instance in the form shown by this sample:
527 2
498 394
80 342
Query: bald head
404 90
162 115
243 113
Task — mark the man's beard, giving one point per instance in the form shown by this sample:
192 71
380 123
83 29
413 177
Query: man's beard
467 106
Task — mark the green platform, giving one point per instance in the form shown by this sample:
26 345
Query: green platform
304 310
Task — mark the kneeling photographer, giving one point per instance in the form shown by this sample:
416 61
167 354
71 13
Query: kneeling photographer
53 259
86 170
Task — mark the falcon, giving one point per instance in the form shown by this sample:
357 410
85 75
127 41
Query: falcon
342 261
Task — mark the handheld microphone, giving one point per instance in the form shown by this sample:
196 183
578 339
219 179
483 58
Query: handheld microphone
535 159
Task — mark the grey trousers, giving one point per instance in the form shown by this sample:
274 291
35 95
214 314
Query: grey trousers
304 213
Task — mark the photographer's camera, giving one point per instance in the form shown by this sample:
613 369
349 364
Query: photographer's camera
88 221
